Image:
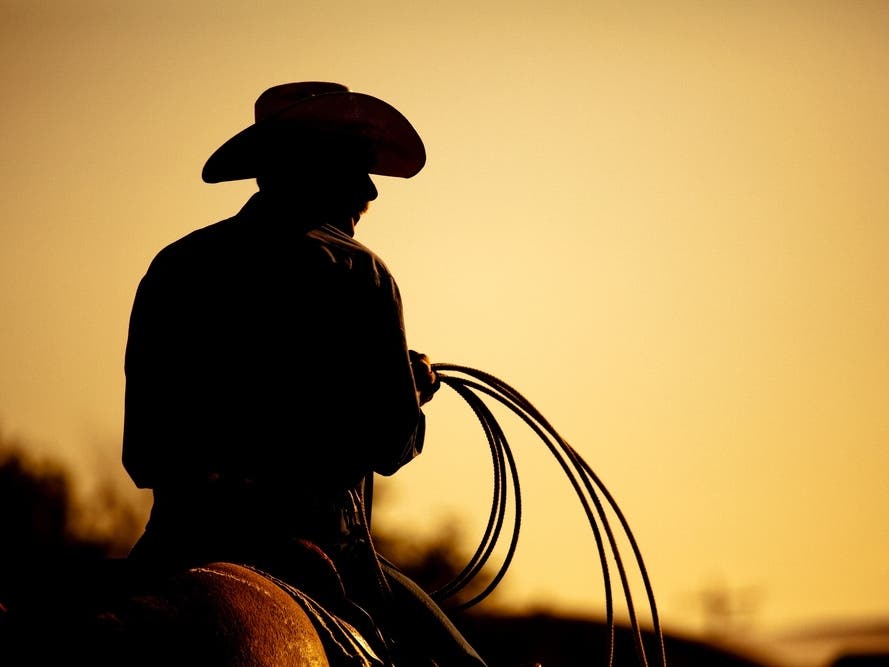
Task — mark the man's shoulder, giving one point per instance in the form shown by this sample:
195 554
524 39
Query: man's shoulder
200 238
241 240
212 243
346 252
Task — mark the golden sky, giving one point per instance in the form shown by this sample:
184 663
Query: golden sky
665 223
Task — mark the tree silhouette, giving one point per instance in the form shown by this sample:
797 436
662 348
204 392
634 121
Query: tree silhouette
45 529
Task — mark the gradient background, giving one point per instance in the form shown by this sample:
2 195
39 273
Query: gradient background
665 224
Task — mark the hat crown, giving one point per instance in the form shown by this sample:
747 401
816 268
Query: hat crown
277 99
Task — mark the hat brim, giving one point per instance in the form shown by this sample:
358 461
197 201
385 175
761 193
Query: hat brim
395 148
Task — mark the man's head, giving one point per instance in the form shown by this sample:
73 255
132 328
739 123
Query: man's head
315 125
334 192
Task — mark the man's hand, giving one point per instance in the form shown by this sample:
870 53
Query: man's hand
425 378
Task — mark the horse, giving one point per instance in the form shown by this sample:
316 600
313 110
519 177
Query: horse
221 614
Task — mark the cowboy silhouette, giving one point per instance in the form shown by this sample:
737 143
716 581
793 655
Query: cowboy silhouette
268 376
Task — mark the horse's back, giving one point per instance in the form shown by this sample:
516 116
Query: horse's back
228 614
216 614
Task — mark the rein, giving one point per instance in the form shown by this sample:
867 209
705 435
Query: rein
473 386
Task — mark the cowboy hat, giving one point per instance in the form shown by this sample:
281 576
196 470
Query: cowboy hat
300 117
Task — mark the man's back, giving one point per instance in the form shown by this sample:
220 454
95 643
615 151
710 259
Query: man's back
256 340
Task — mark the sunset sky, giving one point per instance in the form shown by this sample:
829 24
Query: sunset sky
666 224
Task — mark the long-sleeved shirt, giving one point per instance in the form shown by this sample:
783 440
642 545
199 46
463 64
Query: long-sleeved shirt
268 345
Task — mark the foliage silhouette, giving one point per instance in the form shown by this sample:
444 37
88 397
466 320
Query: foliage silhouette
46 528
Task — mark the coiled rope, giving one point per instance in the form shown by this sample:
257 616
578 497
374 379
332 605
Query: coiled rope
471 385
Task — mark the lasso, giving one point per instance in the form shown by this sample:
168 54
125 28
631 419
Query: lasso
472 385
